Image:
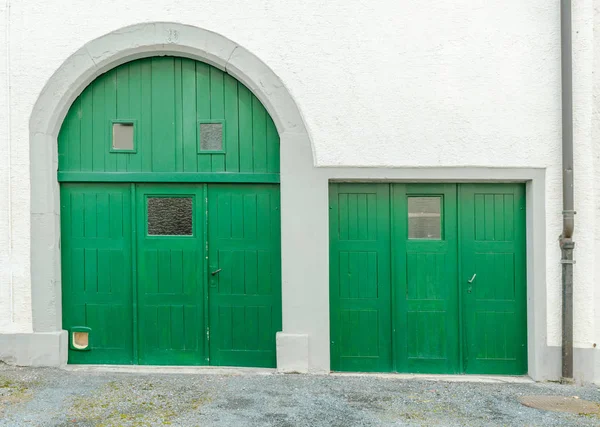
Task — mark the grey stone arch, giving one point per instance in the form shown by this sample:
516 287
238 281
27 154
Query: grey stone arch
301 317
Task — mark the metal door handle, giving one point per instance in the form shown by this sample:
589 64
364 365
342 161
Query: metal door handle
472 278
216 272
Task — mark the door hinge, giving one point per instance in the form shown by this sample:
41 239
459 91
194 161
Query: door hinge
208 333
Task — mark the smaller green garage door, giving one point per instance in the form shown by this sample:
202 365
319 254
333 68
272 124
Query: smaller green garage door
428 278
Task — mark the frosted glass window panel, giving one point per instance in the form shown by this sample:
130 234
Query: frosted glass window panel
122 136
170 216
211 136
424 218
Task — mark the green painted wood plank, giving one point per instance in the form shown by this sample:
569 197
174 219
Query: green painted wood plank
245 129
178 111
272 146
110 113
189 120
232 143
123 110
259 136
217 111
99 124
163 114
203 100
146 136
69 153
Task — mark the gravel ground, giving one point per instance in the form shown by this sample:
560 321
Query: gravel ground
55 397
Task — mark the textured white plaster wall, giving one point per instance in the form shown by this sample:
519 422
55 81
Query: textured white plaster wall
5 297
388 83
583 86
15 301
595 202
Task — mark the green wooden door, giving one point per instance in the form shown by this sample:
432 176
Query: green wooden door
399 292
97 270
163 130
492 280
170 255
359 262
244 274
424 239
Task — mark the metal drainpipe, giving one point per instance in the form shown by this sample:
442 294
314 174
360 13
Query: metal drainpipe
566 238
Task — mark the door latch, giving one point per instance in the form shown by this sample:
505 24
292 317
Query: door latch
472 278
214 273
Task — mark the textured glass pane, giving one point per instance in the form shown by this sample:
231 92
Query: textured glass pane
211 136
170 216
424 218
122 136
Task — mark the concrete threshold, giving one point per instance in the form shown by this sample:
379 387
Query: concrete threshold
194 370
492 379
235 371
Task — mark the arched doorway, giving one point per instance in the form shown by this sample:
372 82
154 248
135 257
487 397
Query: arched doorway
170 224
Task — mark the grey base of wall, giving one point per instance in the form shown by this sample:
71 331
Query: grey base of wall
50 349
586 363
35 349
292 353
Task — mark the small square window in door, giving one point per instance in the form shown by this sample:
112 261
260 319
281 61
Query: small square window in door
425 218
123 137
211 137
170 216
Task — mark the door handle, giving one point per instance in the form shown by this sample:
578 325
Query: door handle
217 271
472 278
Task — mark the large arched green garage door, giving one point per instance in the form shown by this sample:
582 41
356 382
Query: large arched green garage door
169 172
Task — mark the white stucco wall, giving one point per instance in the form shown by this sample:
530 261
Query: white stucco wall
394 83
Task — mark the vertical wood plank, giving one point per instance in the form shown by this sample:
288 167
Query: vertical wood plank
178 114
245 129
259 136
163 114
232 143
203 107
272 146
110 113
189 119
146 136
123 109
99 124
217 111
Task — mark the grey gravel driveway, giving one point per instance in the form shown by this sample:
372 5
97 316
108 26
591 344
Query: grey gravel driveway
56 397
